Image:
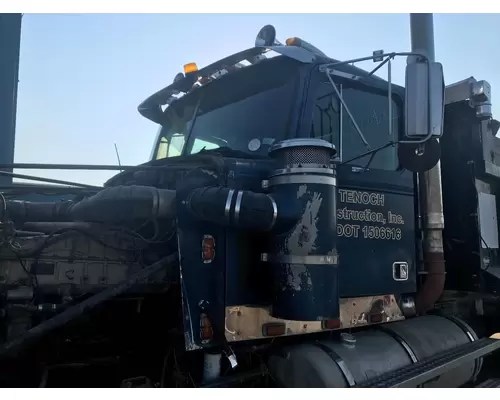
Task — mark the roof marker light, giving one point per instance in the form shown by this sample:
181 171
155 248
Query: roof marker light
190 68
298 42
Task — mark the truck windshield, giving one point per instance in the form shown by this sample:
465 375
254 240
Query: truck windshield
245 111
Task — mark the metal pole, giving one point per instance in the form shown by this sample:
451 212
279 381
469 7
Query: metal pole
430 188
10 41
422 34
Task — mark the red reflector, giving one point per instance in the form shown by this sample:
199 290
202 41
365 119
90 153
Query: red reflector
208 249
376 318
273 329
331 324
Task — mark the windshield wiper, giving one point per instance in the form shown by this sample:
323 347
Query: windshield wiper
226 151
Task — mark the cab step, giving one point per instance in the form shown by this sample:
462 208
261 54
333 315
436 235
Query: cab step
430 368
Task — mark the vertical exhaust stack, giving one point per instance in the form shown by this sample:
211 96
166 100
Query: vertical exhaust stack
303 245
431 195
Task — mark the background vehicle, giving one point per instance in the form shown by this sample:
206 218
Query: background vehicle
288 231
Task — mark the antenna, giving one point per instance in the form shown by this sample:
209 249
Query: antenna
118 157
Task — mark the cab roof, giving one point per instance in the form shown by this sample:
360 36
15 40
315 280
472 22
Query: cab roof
151 108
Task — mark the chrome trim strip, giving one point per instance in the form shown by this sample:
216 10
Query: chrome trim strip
298 179
229 199
237 206
402 342
338 360
316 169
472 337
275 212
308 260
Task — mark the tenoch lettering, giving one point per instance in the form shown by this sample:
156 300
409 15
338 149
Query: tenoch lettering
359 197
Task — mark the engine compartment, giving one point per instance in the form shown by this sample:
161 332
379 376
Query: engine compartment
57 255
174 269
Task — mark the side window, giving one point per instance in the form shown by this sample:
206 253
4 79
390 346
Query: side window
326 115
371 113
370 110
162 148
176 145
170 149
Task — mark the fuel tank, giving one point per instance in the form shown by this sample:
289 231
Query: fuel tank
366 354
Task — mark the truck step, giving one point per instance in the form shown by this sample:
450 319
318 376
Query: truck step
432 367
490 383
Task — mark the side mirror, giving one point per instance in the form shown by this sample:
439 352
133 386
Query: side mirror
266 37
424 100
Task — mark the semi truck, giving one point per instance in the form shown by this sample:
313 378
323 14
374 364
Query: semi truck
302 222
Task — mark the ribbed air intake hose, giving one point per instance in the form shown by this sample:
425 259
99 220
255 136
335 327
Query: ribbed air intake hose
114 204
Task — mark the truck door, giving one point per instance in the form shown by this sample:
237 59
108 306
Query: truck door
375 210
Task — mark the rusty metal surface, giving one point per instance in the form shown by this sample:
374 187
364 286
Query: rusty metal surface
245 322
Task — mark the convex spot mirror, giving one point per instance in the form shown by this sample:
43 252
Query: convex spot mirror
266 37
424 100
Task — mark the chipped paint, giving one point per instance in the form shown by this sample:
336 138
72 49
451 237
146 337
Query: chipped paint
245 322
302 240
208 172
298 278
302 191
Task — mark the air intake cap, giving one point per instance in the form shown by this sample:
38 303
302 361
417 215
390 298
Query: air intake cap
303 152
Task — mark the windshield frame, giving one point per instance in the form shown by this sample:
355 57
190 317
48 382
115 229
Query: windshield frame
275 65
308 80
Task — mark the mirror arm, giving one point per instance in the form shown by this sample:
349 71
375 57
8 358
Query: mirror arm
367 145
367 166
422 57
367 153
380 65
329 69
389 94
